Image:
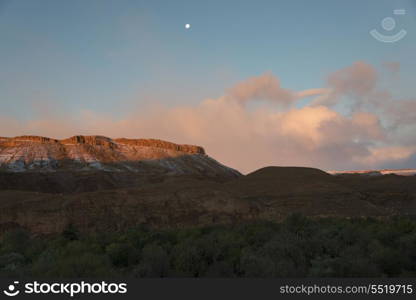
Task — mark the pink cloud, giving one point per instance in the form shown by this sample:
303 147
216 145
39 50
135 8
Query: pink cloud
392 66
358 79
264 87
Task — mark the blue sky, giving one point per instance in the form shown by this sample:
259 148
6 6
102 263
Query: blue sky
94 66
100 55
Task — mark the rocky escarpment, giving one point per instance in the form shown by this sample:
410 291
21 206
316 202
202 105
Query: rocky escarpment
84 153
96 140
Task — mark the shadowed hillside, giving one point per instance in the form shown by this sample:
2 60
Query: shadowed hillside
114 201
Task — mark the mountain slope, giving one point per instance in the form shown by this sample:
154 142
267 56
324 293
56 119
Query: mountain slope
271 193
97 183
92 153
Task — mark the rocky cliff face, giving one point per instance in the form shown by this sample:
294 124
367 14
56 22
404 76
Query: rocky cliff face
86 153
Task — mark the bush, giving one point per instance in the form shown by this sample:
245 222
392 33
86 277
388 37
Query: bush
297 247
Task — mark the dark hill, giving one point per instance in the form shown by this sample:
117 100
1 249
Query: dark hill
286 181
113 185
289 173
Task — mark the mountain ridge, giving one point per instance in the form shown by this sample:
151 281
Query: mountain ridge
82 153
375 172
103 141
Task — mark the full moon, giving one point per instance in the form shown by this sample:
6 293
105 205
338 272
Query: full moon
187 26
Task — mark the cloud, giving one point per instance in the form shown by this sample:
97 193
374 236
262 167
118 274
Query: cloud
387 154
357 82
312 92
248 138
401 112
358 79
392 66
267 87
264 87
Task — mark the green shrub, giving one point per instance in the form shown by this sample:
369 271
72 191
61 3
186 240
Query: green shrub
297 247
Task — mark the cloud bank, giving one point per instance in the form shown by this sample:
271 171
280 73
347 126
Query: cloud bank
373 131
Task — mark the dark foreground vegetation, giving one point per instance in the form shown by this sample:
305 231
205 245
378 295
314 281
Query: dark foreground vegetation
298 247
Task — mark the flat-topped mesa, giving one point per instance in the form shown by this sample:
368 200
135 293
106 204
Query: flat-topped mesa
97 140
79 139
13 141
191 149
83 153
23 139
33 138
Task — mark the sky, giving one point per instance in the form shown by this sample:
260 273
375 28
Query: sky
256 83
